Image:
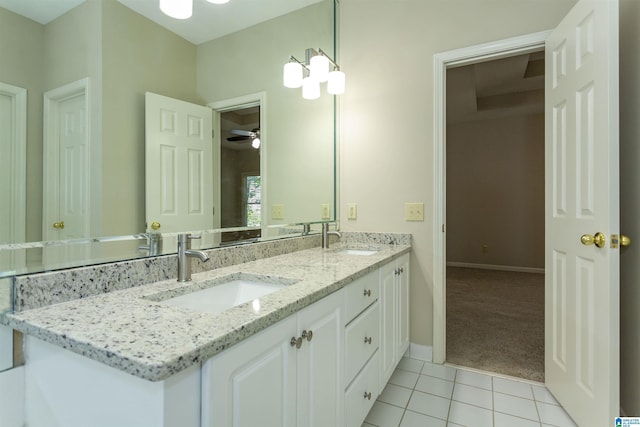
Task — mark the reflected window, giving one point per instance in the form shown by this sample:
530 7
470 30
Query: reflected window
253 191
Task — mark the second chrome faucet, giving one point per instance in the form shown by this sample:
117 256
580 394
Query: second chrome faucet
326 233
184 252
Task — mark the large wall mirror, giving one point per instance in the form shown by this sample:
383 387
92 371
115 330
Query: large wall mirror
73 90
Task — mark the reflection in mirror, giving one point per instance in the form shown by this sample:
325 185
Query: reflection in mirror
93 64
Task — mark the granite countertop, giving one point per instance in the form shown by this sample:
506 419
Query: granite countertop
133 332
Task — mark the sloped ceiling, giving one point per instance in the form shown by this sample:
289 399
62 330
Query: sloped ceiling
494 89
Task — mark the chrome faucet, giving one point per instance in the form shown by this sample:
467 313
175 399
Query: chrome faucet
184 251
326 233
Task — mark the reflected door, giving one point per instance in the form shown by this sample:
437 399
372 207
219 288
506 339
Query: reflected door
179 165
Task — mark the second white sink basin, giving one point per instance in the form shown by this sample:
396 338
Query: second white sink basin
224 294
359 251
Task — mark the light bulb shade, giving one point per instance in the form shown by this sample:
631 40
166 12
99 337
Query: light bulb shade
310 88
319 66
218 1
255 143
178 9
335 84
292 75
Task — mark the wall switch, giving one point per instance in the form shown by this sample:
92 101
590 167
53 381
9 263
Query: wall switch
352 211
414 211
326 212
277 211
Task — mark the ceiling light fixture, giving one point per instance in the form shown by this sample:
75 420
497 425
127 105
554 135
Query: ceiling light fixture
182 9
320 68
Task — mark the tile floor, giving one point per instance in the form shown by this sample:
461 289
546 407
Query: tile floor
423 394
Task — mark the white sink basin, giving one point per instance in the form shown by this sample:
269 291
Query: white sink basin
359 251
221 296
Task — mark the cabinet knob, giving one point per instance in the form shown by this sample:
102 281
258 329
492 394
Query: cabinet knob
367 340
58 225
307 334
296 342
367 395
367 292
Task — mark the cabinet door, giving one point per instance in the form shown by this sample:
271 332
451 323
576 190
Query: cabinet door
320 364
403 305
388 334
253 383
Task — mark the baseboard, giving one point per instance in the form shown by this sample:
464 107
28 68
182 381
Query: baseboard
420 352
495 267
12 397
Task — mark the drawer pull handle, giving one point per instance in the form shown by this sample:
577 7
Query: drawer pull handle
367 395
307 334
296 342
367 292
367 340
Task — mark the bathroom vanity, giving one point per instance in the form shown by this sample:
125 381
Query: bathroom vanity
314 346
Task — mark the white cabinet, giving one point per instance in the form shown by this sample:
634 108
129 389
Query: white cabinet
394 315
290 374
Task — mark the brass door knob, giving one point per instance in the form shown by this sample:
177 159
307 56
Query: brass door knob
58 225
155 225
598 239
625 240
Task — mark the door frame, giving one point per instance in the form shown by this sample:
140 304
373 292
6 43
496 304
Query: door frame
441 62
258 99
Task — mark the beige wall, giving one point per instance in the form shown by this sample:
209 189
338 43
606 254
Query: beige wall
495 191
138 56
386 156
630 206
299 133
21 50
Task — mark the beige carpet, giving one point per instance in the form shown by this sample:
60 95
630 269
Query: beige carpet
495 321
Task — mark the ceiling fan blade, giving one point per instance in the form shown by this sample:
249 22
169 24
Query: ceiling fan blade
246 133
238 138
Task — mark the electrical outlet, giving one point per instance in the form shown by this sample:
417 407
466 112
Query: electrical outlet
326 212
414 211
352 211
277 211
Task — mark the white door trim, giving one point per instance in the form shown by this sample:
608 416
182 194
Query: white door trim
441 62
258 99
18 152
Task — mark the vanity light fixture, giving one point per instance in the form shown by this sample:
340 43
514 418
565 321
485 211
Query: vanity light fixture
182 9
319 68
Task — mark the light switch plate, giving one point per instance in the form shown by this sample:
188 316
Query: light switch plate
352 211
277 211
326 211
414 211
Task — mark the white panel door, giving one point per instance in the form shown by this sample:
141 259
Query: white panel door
179 164
582 198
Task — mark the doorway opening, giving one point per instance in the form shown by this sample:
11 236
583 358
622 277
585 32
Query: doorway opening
484 101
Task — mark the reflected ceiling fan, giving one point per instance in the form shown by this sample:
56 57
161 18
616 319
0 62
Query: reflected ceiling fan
244 135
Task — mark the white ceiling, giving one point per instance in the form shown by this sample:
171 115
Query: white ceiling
209 21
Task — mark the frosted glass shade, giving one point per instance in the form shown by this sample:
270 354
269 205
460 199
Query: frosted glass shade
178 9
310 88
335 83
255 143
319 66
292 75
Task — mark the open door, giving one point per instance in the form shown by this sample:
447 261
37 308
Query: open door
582 213
179 165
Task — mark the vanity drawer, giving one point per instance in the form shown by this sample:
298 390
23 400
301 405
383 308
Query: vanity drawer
362 393
361 293
361 340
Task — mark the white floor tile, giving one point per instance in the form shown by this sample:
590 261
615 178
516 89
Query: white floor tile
541 394
395 395
468 415
504 420
435 386
554 415
439 371
514 405
474 378
514 388
404 378
414 419
384 415
428 404
412 365
473 396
